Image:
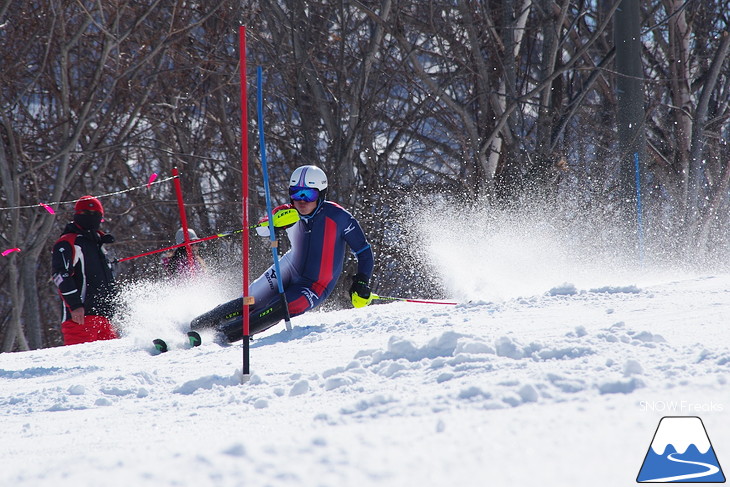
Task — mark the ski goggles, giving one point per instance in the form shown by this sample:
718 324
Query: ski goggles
301 193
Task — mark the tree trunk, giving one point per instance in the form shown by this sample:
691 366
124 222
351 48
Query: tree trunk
630 94
14 331
699 220
31 309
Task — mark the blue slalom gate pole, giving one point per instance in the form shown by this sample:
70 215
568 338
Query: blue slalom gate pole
639 220
269 211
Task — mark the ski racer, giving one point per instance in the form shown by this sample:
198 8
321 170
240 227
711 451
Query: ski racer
84 276
309 270
176 263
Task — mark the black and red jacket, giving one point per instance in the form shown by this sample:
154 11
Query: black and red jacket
82 272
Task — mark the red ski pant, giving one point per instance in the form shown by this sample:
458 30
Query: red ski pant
94 328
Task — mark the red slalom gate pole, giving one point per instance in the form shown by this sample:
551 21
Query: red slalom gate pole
183 217
247 300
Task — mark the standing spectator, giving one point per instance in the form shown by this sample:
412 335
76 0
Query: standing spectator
84 276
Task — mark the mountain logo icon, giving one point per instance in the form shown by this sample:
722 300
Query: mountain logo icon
681 452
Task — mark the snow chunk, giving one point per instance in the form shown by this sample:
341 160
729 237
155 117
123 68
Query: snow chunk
115 391
299 388
648 337
473 347
442 346
724 360
617 290
506 347
63 405
444 376
566 385
207 382
528 393
334 371
400 348
632 367
564 353
620 387
368 403
393 369
566 289
580 331
236 450
354 365
335 382
34 372
473 392
512 399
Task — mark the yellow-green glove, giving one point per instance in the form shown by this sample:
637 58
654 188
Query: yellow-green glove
360 291
284 216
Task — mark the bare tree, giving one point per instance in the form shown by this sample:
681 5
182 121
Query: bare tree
688 59
75 117
497 100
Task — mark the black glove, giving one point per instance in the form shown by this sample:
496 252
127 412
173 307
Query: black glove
107 238
360 286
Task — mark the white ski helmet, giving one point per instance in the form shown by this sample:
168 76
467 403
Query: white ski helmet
180 236
308 177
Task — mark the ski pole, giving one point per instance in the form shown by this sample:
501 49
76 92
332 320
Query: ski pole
174 246
267 192
423 301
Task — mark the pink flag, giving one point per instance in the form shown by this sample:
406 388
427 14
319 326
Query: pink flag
152 179
10 251
48 208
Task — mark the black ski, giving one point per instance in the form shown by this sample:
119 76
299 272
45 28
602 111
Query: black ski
193 338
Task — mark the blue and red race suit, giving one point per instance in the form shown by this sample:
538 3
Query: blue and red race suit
309 272
311 267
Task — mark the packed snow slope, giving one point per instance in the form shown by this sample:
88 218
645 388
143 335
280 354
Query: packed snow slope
562 388
554 370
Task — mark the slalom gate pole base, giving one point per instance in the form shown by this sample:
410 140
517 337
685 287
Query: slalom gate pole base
246 371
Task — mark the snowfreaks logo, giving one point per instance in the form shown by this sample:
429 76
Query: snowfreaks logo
681 452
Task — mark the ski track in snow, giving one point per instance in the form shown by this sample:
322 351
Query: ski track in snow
540 390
